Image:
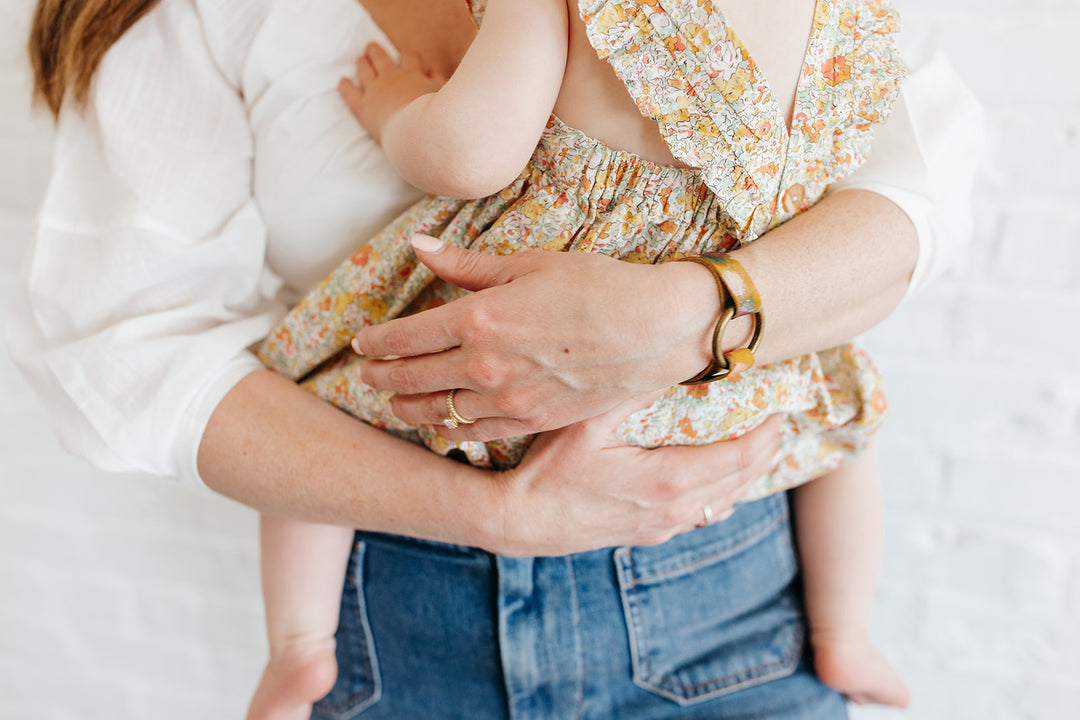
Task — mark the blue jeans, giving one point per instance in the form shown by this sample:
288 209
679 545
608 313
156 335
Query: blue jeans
708 625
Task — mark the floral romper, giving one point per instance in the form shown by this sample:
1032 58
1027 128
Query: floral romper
686 68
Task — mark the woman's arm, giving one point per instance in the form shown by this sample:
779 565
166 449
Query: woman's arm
825 276
281 450
830 273
142 289
471 137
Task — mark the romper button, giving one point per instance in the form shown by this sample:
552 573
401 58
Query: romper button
795 199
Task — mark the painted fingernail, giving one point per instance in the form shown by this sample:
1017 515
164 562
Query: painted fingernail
356 347
426 243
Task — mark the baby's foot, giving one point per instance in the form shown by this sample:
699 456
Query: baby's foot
299 673
857 670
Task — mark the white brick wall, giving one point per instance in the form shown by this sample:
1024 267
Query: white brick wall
122 597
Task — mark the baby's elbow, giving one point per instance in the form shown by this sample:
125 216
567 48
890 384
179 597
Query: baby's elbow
475 185
475 174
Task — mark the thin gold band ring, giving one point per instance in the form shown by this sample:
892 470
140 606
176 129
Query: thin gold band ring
453 418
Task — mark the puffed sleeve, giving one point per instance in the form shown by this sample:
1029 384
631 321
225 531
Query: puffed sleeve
143 290
924 159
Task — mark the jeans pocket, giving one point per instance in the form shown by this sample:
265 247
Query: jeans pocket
715 610
358 684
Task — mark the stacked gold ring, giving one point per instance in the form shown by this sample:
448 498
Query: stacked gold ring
454 419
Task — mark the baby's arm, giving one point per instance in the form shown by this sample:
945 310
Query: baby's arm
473 136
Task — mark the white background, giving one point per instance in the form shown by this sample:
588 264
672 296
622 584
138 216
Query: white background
129 597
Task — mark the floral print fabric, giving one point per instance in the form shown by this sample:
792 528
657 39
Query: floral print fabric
686 68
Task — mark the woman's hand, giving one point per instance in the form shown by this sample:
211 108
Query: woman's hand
547 339
579 488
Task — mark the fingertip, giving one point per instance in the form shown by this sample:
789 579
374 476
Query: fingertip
350 92
426 243
378 55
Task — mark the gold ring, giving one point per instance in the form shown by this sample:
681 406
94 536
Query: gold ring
454 418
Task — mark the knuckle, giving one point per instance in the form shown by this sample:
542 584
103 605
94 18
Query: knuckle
476 325
669 519
676 485
397 342
540 421
401 379
468 262
667 488
435 405
512 404
486 374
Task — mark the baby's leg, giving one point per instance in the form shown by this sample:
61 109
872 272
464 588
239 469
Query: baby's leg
838 526
303 571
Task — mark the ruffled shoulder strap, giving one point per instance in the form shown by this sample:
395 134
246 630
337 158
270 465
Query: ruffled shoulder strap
685 67
852 79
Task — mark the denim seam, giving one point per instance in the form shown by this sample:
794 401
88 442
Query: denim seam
751 536
784 665
579 700
361 639
682 693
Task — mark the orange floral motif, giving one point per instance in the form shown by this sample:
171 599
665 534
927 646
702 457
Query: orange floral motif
361 257
698 391
687 428
836 70
686 68
879 402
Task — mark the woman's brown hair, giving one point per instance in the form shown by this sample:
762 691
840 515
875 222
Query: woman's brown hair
69 38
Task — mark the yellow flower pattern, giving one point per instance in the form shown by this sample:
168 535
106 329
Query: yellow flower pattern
685 67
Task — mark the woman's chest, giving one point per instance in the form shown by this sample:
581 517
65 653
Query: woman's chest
321 183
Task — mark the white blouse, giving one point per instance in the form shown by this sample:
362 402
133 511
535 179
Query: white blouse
215 176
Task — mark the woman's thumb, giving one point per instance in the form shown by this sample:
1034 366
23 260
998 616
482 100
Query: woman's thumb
609 422
468 269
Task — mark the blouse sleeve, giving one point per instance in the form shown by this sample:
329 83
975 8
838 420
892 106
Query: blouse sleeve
137 302
924 159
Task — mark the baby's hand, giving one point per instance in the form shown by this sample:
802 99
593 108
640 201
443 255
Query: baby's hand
383 87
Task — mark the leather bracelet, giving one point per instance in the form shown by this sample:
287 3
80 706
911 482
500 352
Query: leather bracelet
738 297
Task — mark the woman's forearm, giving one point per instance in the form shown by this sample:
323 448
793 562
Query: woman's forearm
549 339
280 450
275 447
829 274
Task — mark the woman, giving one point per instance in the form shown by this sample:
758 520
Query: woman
145 289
